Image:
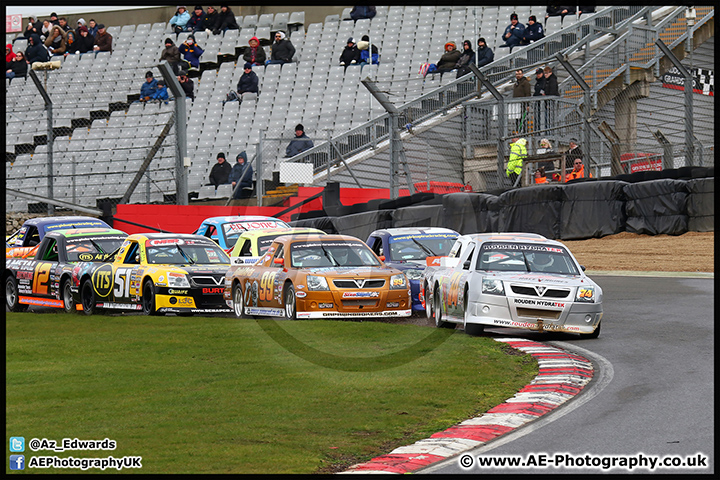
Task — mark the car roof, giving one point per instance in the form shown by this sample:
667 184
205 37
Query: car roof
44 221
508 237
412 231
281 231
239 218
83 232
161 236
321 237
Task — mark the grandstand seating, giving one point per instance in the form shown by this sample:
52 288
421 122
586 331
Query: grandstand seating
314 91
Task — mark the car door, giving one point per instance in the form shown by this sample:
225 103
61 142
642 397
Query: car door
125 284
454 287
271 277
44 271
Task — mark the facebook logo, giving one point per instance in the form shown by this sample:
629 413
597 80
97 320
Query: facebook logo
17 462
17 444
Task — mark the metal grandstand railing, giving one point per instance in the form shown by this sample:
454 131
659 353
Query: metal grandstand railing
454 93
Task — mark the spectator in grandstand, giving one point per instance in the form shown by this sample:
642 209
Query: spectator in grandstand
220 173
196 22
364 47
540 176
521 87
71 44
513 34
148 89
350 54
34 26
180 19
171 53
574 151
518 152
551 83
282 50
299 144
54 19
17 67
80 23
56 41
36 51
242 173
558 11
187 84
103 40
362 11
92 28
161 94
62 23
484 53
248 84
254 54
9 54
545 147
466 58
225 21
539 82
578 171
209 19
533 31
84 41
191 52
449 59
46 29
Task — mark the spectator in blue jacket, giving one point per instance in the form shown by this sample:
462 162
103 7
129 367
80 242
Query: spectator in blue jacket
362 11
148 88
191 52
364 47
242 173
248 83
196 22
514 32
485 54
161 93
533 31
181 18
300 143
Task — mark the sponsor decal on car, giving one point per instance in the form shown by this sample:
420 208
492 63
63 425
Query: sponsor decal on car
539 303
360 294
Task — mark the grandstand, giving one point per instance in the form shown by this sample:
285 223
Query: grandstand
102 137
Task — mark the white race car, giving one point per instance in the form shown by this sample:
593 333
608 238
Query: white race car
516 280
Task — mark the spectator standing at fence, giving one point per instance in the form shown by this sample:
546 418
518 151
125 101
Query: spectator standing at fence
248 84
513 34
191 52
242 173
36 51
17 67
92 28
545 147
187 84
578 171
362 11
467 56
539 83
521 87
255 54
299 144
551 83
171 53
209 19
103 40
350 54
533 31
56 41
196 22
540 175
282 50
484 53
33 26
518 152
220 173
574 151
84 41
225 21
148 88
364 46
179 20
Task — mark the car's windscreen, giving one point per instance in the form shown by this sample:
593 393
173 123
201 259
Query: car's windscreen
232 230
88 249
332 254
185 252
420 246
523 257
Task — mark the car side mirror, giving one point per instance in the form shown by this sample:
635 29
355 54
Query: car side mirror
466 265
582 267
279 261
382 258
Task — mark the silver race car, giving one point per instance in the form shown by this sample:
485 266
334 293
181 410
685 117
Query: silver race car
516 280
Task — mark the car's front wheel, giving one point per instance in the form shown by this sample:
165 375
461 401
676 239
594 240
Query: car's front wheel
148 298
67 298
290 303
473 329
428 303
12 296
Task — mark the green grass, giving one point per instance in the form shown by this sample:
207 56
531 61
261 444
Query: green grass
220 395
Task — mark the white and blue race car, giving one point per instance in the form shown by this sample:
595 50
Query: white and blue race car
515 280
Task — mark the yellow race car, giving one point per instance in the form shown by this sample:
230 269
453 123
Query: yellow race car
252 244
155 273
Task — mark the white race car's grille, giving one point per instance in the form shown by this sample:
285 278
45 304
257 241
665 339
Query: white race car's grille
354 284
537 313
540 291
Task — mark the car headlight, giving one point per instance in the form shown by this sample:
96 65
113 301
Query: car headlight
316 283
492 286
178 280
398 282
413 274
585 294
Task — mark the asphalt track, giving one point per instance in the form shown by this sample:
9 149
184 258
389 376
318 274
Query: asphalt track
650 400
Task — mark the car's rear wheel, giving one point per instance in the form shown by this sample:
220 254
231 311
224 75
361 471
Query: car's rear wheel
87 298
148 298
290 303
67 298
473 329
238 301
437 310
12 296
594 334
428 303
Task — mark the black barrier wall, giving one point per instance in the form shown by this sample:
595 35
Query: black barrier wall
577 210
